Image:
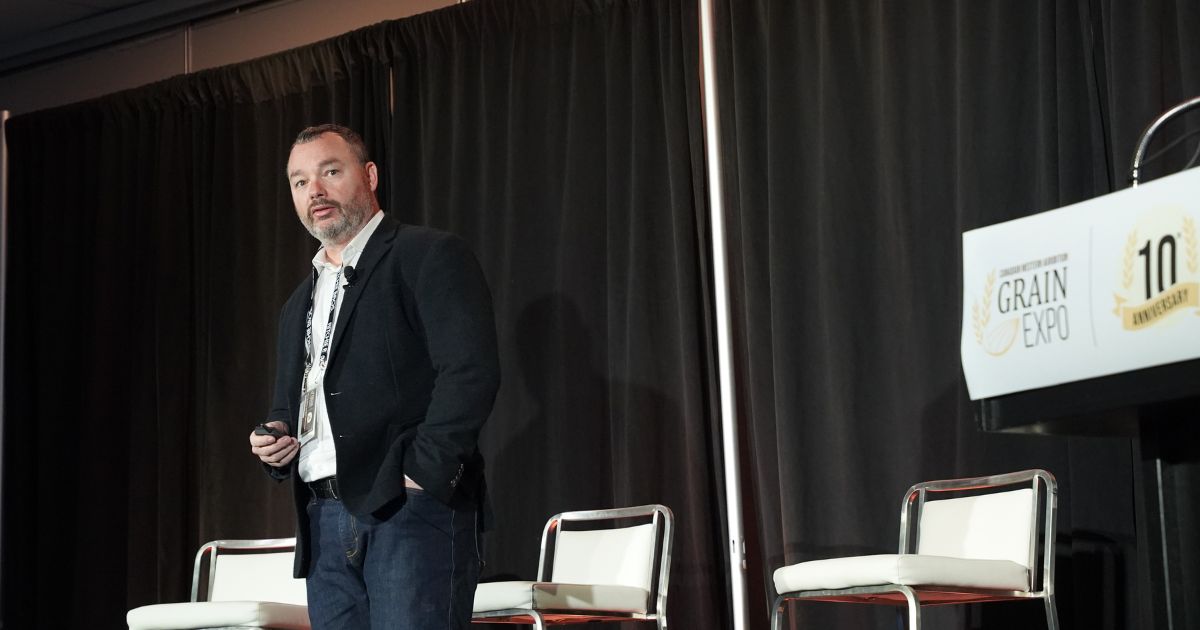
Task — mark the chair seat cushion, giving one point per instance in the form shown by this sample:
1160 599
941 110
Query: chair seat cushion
218 615
906 569
558 596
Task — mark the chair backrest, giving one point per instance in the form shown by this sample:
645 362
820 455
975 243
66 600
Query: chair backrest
249 570
986 518
986 527
623 556
619 554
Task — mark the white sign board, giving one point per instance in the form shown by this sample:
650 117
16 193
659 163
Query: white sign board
1097 288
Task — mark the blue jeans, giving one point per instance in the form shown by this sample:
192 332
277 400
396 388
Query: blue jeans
416 569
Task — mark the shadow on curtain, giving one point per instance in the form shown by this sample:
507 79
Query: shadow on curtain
563 140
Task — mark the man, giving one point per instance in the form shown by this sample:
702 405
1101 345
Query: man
387 370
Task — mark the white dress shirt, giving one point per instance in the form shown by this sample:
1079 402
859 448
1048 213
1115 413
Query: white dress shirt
318 459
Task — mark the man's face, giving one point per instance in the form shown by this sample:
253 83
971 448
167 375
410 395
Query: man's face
333 193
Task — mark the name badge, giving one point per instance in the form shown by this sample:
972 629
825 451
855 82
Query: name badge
308 422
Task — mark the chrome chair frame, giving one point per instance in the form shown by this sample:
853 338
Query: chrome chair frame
213 548
913 597
664 525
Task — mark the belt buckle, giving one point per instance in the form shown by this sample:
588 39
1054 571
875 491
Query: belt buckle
325 488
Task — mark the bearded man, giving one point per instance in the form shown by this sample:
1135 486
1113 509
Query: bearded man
387 369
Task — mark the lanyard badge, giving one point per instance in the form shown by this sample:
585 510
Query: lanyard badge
308 414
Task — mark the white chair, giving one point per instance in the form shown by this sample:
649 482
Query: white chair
994 541
618 573
249 585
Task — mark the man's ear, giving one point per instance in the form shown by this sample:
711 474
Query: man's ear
372 175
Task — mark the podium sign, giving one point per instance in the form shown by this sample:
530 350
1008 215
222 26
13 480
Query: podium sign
1099 287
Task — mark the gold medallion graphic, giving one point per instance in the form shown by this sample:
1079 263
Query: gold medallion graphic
1160 270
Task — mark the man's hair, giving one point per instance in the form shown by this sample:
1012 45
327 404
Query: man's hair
349 135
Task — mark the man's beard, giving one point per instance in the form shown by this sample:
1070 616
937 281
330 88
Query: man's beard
346 222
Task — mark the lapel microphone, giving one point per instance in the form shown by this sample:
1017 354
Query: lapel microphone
349 273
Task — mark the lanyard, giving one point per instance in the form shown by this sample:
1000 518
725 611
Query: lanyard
308 338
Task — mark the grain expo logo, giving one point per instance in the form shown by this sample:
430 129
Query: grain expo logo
1029 303
1160 270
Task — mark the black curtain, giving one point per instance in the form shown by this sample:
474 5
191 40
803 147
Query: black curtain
154 242
865 138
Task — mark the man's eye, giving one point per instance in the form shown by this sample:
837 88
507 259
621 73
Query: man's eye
299 183
332 171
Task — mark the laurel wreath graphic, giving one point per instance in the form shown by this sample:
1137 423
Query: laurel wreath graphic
1189 242
981 313
1127 269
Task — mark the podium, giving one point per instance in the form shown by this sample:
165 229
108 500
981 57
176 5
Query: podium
1159 408
1085 321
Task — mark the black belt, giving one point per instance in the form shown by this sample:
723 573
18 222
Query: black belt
326 488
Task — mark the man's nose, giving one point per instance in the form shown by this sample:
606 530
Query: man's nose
316 190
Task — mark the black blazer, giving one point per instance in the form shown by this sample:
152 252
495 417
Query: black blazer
411 377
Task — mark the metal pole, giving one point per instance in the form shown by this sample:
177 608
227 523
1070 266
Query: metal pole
3 300
729 420
1162 533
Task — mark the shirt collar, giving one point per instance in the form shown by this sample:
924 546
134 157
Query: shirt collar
353 249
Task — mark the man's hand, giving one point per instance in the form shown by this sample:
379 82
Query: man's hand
275 451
